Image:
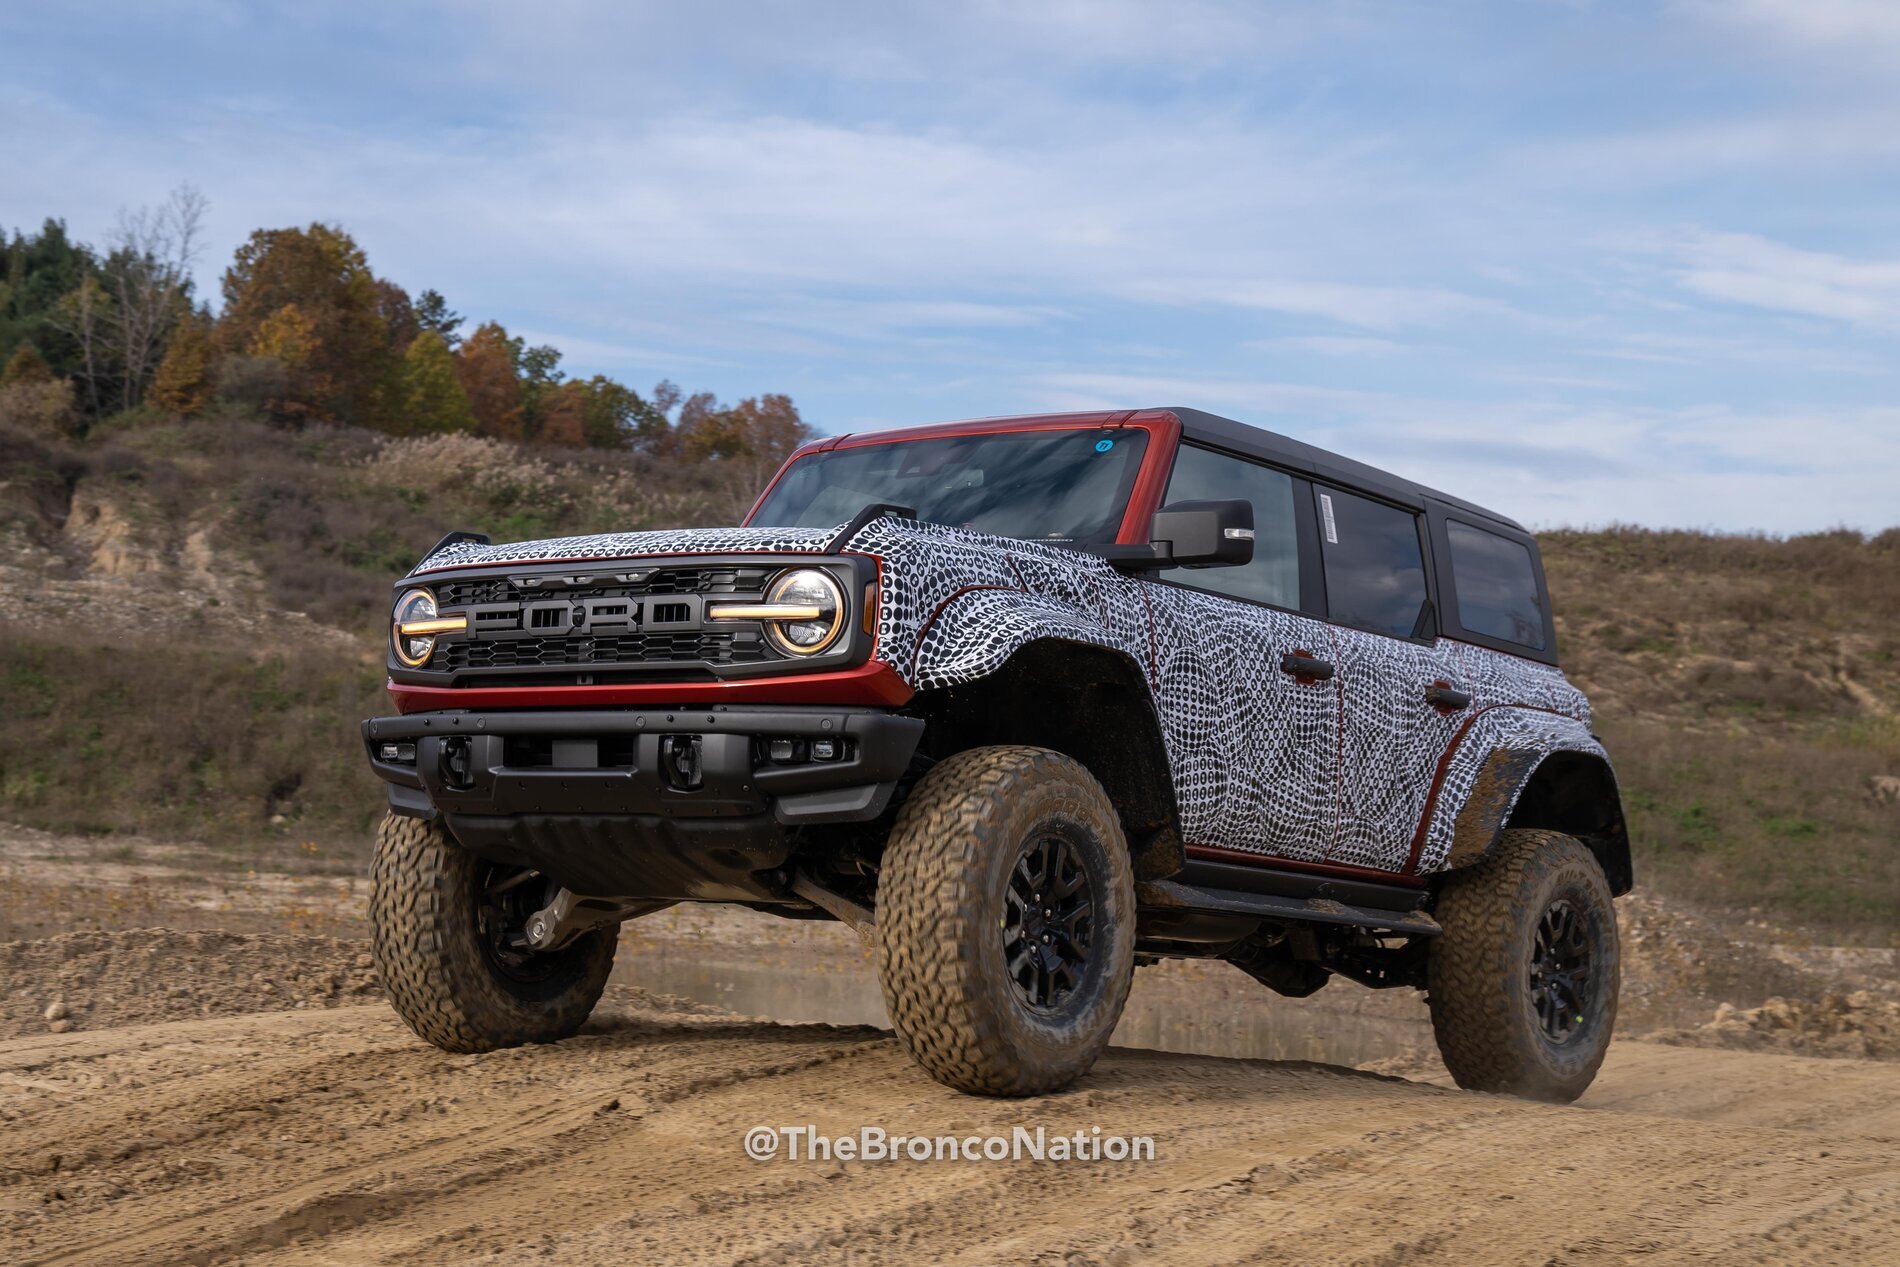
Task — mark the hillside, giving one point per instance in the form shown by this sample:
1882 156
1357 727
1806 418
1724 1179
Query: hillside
190 627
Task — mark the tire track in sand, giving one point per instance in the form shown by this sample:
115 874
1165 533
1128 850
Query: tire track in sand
337 1137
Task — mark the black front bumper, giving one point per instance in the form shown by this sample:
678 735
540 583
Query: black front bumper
649 803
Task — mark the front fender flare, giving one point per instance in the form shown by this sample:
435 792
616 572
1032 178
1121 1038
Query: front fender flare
975 632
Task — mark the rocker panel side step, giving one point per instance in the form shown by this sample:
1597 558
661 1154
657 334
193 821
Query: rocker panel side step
1171 895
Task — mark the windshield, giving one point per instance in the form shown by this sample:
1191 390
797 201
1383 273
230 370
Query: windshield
1069 485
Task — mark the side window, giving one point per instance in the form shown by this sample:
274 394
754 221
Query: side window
1375 575
1274 575
1496 583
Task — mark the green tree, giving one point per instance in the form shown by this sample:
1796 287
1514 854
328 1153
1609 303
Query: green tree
36 273
432 313
433 399
87 317
345 369
538 370
615 417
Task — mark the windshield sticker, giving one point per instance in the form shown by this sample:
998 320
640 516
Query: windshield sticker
1326 513
1103 446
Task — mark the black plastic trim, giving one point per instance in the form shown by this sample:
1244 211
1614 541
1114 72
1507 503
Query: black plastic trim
876 510
1171 895
453 538
854 788
1248 878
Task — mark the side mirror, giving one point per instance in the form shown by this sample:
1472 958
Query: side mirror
1204 534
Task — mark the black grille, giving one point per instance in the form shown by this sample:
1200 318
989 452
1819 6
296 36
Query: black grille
725 580
636 648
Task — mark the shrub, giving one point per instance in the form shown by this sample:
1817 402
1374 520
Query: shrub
43 407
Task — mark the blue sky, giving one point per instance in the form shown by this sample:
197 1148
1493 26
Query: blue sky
1586 262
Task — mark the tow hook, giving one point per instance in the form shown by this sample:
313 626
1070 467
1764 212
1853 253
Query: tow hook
458 769
679 762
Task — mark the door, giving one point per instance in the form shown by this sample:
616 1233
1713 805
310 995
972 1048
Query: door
1398 681
1253 743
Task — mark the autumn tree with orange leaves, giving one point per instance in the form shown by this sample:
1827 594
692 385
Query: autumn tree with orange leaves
309 334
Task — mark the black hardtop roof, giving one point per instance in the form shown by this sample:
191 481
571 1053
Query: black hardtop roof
1296 455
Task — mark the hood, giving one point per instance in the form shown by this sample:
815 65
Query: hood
941 553
622 545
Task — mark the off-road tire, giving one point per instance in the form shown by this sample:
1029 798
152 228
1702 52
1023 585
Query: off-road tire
424 897
941 906
1479 969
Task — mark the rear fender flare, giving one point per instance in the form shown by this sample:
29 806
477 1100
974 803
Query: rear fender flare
1568 787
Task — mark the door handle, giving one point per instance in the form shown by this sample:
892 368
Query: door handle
1447 698
1306 666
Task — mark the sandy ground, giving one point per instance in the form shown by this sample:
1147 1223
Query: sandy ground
334 1136
199 1095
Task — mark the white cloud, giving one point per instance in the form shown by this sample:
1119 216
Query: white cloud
1863 27
1370 307
1330 345
1822 356
1536 378
1746 269
900 212
1674 153
1551 465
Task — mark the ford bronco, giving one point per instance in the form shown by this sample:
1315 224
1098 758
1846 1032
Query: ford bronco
1028 702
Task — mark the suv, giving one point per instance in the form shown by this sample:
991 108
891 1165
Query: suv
1028 702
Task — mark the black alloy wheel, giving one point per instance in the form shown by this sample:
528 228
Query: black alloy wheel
1006 920
1560 971
1048 921
1522 981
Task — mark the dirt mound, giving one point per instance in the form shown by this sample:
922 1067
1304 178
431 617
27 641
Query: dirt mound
103 980
1857 1025
1678 968
95 981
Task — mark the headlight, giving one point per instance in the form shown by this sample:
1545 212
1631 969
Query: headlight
413 628
803 612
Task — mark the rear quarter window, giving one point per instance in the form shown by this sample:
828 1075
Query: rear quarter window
1496 583
1375 573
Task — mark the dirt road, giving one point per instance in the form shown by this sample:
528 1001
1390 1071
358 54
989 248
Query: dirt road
332 1135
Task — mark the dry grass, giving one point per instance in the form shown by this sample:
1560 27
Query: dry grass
332 516
1749 690
203 741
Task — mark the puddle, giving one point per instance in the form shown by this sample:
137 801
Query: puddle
816 973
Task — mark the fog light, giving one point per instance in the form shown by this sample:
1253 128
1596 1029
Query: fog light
400 753
786 751
824 750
